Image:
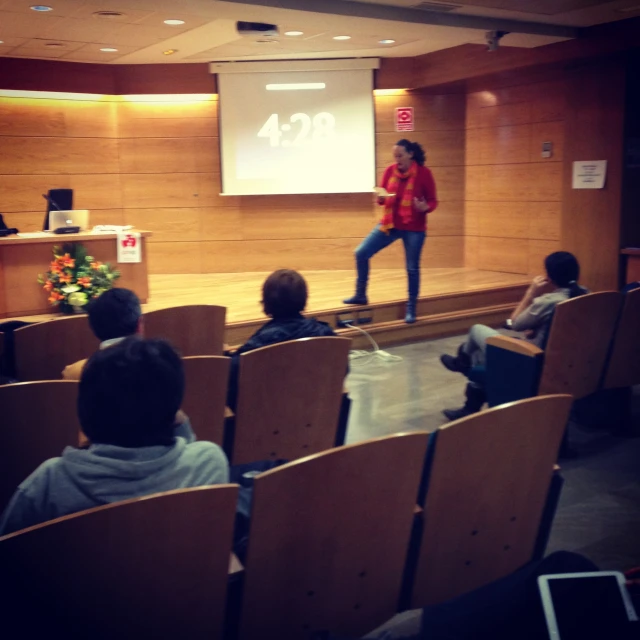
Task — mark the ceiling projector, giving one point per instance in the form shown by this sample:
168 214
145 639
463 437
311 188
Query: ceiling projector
256 29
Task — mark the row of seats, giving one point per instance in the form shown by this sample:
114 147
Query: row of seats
337 540
290 401
42 350
593 346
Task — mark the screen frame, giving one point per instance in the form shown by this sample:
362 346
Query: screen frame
547 600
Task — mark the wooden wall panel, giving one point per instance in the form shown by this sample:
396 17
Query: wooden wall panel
154 163
29 155
594 130
513 195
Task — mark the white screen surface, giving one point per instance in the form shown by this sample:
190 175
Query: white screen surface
297 132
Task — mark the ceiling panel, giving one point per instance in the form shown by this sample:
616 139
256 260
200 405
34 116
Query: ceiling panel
546 7
61 8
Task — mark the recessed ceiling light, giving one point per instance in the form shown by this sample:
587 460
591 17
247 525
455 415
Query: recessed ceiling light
41 7
387 41
342 37
1 41
169 52
293 33
174 22
108 49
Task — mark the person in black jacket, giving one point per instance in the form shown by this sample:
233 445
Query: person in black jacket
284 297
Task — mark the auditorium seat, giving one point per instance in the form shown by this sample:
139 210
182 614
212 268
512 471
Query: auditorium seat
152 567
289 399
572 361
44 349
38 421
329 537
194 330
206 382
488 486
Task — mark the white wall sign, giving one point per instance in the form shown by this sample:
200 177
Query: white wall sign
129 247
589 174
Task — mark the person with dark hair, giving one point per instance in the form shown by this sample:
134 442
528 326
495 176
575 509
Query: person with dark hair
410 196
284 298
113 316
127 401
532 316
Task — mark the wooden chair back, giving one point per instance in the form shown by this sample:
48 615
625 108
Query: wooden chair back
205 396
39 420
623 368
289 398
486 493
329 539
578 344
151 567
194 330
44 349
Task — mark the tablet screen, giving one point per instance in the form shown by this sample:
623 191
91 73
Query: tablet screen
588 607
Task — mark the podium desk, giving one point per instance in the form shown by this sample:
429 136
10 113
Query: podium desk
24 257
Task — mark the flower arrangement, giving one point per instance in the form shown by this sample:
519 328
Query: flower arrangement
74 278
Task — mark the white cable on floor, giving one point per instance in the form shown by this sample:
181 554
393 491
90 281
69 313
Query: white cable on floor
377 353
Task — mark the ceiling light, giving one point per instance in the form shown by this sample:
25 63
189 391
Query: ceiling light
342 37
1 41
174 22
266 41
108 49
41 7
386 41
169 52
293 33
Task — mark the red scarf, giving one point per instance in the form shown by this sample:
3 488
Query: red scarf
405 210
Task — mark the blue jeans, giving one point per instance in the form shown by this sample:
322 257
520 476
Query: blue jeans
378 240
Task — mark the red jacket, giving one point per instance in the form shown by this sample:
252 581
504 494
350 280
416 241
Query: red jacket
425 187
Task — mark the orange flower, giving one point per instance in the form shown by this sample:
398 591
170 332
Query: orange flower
66 278
54 297
96 265
84 282
55 268
67 261
48 285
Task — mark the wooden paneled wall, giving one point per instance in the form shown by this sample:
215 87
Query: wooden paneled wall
155 163
514 196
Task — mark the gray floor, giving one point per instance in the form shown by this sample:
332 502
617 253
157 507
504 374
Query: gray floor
599 512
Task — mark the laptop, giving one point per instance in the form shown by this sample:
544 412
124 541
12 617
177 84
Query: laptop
73 218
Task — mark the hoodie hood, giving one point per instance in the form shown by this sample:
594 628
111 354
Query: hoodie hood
107 473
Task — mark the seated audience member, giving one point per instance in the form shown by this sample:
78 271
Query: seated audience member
113 316
284 297
532 316
128 397
508 609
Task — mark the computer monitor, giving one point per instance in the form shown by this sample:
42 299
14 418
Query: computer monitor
57 200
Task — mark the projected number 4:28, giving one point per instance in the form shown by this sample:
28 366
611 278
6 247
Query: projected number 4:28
320 127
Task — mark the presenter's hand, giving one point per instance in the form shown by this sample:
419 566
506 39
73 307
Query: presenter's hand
420 204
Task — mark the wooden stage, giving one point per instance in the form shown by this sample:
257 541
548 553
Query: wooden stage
451 300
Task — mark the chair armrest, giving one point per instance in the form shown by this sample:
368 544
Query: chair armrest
514 345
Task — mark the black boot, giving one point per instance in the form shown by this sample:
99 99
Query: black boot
360 296
475 398
458 364
410 316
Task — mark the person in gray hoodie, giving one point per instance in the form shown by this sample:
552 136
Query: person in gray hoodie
127 402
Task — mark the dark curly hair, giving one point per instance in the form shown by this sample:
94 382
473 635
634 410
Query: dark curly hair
414 148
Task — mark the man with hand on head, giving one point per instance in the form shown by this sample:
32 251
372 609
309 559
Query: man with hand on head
113 316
